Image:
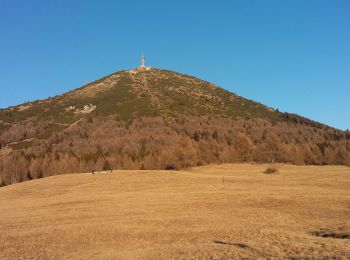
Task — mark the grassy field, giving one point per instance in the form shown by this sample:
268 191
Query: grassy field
213 212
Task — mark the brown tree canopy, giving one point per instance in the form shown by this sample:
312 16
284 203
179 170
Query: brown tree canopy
167 143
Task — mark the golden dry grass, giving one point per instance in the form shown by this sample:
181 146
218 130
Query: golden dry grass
194 214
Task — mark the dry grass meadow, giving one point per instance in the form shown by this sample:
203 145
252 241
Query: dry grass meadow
214 212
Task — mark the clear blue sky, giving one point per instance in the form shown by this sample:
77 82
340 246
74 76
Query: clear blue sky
293 55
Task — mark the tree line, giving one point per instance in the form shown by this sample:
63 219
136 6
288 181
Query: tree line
165 143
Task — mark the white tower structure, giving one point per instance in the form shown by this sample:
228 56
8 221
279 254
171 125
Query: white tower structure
142 64
142 61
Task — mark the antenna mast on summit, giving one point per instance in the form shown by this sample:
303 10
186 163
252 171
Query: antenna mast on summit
142 61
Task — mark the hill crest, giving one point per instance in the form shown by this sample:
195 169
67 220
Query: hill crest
148 92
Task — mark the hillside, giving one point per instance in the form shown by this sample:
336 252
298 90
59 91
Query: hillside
147 92
142 92
155 119
301 212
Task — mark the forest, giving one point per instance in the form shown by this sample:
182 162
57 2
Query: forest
171 143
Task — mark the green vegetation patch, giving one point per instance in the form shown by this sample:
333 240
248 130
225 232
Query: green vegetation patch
122 101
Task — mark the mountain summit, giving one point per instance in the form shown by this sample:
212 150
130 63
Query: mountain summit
142 91
148 118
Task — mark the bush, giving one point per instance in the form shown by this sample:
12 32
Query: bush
169 167
271 170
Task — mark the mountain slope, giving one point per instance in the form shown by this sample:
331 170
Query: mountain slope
144 118
147 92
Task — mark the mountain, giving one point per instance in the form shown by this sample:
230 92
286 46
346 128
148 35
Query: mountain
147 92
148 118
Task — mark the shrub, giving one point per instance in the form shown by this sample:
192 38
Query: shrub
169 167
271 170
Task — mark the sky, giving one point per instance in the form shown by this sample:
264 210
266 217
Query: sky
293 55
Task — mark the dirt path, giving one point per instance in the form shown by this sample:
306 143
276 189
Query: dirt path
74 124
